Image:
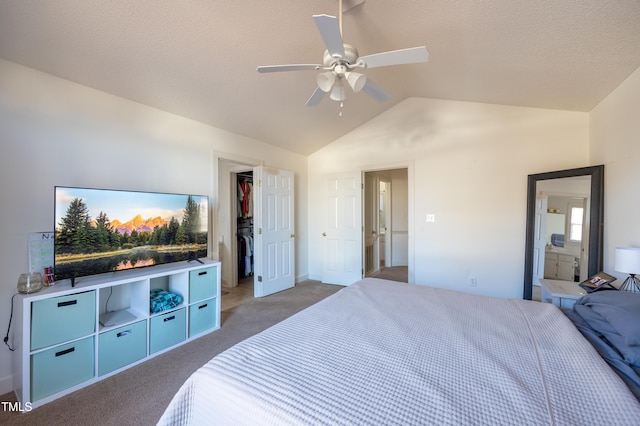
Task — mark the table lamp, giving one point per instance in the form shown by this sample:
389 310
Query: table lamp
628 261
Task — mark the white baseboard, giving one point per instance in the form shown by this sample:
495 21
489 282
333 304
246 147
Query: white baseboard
317 277
301 278
6 384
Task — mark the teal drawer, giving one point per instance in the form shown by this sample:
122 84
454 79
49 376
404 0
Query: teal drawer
203 284
202 316
121 346
63 318
62 367
167 330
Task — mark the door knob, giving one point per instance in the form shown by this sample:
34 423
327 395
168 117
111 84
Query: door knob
324 234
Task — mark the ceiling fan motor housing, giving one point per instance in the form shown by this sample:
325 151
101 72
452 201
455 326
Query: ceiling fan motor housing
350 57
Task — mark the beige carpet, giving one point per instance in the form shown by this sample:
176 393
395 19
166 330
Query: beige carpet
394 273
139 395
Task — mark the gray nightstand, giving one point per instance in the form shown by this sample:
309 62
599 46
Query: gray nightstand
563 294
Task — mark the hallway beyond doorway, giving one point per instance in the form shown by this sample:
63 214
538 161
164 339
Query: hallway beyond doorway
393 273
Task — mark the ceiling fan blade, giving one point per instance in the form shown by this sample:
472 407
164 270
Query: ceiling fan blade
291 67
316 97
375 92
411 55
329 28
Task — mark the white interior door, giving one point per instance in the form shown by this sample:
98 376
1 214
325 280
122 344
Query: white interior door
342 235
273 231
539 238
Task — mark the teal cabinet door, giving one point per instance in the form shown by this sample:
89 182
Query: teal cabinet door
202 316
61 367
63 318
121 346
203 284
167 330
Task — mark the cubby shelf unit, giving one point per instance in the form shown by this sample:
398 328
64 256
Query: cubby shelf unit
61 345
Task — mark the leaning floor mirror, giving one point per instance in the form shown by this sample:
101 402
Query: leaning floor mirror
564 215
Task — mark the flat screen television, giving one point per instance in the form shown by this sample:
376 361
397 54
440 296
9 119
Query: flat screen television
105 230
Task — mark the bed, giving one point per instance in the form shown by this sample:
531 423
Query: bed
382 352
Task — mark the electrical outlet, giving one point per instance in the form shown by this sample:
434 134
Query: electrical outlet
473 281
431 218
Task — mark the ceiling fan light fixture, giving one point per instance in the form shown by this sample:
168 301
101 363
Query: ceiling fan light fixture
338 92
340 59
325 81
356 80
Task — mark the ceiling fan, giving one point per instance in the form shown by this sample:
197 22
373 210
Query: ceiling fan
340 60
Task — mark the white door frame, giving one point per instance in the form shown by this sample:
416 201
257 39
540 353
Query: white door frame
410 210
225 212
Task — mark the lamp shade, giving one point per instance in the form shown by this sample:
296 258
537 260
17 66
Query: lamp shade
627 260
325 81
356 80
337 93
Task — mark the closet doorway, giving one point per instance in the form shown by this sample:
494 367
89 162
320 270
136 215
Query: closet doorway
386 226
255 222
237 282
244 229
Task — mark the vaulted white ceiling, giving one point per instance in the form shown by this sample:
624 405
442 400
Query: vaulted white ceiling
198 58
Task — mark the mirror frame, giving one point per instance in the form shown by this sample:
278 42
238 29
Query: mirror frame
596 219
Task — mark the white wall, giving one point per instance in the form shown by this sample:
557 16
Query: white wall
615 142
54 132
468 165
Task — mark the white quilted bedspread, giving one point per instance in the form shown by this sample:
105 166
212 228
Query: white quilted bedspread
387 353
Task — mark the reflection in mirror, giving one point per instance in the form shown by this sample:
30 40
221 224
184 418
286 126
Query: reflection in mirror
575 220
561 253
564 226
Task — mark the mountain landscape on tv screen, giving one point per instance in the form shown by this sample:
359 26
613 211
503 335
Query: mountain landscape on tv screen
89 241
138 224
